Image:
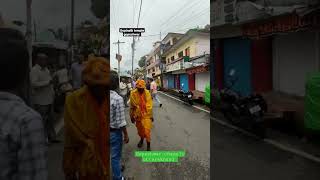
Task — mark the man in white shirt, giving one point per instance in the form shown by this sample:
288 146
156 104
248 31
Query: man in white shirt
63 86
63 78
43 94
76 72
154 91
118 130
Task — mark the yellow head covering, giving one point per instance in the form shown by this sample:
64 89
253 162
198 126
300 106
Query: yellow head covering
96 72
140 84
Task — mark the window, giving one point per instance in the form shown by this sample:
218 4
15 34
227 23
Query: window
180 54
187 51
172 58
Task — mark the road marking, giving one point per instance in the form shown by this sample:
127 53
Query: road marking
197 107
266 140
272 142
293 150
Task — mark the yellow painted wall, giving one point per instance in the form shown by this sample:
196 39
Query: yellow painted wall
191 43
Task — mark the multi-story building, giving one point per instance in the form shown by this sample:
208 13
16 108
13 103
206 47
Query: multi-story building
153 61
273 46
186 60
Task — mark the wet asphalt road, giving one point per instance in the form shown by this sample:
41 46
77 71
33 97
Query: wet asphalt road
237 156
176 127
234 155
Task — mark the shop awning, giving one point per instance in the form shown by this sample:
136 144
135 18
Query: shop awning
198 69
282 24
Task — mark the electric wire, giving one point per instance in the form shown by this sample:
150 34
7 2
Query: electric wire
181 11
188 19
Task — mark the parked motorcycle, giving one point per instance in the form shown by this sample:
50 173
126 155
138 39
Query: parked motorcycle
186 96
246 112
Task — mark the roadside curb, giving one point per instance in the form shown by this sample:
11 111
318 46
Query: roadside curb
266 140
197 107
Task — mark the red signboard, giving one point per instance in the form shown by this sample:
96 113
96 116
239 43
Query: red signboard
198 69
280 24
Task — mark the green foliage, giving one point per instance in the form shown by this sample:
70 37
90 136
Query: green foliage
142 61
139 73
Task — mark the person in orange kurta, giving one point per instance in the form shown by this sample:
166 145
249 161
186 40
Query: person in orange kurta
86 151
141 112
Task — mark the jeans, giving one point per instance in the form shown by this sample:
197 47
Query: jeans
46 113
116 140
155 97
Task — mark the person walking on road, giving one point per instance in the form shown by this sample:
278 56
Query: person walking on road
141 112
124 91
154 91
43 95
118 130
23 150
133 83
148 84
63 86
76 72
86 151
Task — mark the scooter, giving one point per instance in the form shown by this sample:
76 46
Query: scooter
246 112
186 96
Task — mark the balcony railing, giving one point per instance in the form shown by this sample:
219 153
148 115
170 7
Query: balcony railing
157 62
166 47
178 65
197 61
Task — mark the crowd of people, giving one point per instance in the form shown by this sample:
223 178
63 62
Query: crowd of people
94 120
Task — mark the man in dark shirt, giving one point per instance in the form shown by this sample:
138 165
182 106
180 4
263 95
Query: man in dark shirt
23 150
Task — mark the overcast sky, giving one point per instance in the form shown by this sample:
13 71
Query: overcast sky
156 16
47 13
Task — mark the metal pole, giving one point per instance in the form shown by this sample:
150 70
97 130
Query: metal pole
145 67
132 55
118 43
161 64
119 61
29 41
35 30
72 31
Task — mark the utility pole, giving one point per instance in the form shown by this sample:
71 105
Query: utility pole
35 30
118 43
29 43
133 49
71 32
145 67
161 61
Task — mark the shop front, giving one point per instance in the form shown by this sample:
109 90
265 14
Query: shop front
237 56
200 77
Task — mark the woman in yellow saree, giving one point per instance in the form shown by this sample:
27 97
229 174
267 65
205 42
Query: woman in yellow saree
141 112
